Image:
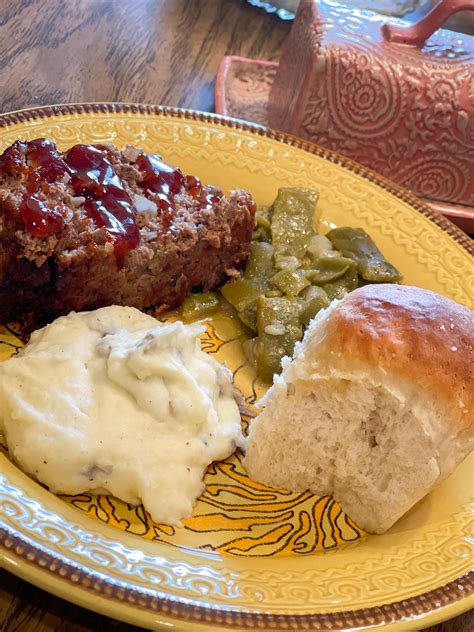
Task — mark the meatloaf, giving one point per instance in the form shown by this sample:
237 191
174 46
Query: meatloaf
97 225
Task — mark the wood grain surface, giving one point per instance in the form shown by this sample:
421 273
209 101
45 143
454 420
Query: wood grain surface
150 51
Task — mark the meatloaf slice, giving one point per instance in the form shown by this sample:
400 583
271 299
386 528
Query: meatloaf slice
96 225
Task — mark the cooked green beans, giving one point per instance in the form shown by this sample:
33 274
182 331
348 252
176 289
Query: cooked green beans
279 328
292 221
292 273
357 245
196 306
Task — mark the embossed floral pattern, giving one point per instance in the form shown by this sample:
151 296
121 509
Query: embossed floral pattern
405 112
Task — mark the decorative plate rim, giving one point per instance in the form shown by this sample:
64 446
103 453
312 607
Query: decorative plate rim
51 111
56 574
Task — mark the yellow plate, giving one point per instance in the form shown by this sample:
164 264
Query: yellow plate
250 556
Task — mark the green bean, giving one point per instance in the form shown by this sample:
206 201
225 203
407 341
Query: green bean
327 269
292 221
259 269
346 283
262 231
244 292
200 305
240 293
356 244
249 316
279 328
313 299
290 282
273 293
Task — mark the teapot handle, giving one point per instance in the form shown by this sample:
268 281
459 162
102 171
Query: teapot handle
416 34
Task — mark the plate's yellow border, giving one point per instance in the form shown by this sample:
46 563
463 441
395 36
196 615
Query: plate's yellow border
453 599
85 586
136 615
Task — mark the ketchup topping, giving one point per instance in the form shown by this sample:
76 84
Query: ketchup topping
107 202
193 186
92 176
45 160
194 189
40 220
114 210
91 170
12 160
158 176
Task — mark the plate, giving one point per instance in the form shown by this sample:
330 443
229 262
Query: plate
250 556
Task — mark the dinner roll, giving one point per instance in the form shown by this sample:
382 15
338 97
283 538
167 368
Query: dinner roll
375 408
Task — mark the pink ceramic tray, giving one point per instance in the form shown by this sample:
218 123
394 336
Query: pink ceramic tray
242 91
243 87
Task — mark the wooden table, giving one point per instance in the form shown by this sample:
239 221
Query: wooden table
150 51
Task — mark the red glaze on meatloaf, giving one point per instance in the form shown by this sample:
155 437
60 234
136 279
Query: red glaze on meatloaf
96 226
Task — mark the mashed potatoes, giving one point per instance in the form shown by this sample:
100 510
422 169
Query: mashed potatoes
113 400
